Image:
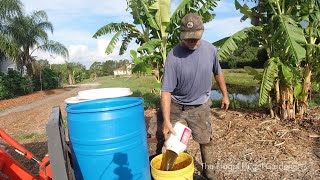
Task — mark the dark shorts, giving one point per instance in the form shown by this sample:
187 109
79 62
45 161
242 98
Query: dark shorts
198 119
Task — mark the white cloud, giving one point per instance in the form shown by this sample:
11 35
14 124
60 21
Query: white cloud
106 7
220 28
85 55
76 21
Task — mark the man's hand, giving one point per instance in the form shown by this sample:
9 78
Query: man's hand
167 129
225 103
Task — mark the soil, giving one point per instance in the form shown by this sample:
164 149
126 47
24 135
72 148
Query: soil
248 144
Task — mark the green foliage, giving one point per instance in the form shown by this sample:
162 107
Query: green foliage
140 65
48 79
243 78
13 84
231 44
256 74
96 69
30 32
76 70
8 9
143 86
288 39
269 74
155 25
108 67
126 30
245 55
150 46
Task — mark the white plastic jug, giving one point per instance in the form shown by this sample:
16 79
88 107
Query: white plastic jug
178 143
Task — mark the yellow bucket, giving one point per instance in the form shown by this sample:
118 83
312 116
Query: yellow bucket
182 169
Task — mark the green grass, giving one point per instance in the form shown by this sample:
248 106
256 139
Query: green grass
143 86
148 88
239 77
30 136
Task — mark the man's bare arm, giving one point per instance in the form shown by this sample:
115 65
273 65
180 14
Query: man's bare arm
223 88
165 107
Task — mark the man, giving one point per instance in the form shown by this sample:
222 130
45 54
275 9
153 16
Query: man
186 86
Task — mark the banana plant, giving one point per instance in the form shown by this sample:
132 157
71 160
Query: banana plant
290 50
140 66
158 30
165 27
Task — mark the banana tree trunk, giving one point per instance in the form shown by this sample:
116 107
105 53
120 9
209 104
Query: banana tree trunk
303 103
286 102
71 79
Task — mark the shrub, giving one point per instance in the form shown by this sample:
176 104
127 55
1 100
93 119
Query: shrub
49 79
13 84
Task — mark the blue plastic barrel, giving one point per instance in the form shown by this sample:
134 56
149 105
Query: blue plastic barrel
108 139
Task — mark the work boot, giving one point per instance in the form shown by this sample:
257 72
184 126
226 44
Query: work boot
208 162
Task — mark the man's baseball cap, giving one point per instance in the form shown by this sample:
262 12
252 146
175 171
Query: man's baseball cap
191 27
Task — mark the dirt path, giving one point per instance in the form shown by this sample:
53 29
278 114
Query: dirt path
32 117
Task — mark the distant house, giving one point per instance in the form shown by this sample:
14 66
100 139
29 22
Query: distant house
6 65
123 70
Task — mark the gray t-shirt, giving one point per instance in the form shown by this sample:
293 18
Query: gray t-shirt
188 73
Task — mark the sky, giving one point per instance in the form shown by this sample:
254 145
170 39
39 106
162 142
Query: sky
75 22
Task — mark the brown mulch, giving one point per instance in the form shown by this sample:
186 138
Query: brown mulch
248 144
7 103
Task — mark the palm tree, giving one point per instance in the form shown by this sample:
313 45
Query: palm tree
30 34
8 9
292 51
128 31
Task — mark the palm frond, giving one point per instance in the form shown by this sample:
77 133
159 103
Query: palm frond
269 74
289 39
231 44
55 48
151 19
115 27
244 10
39 16
220 42
9 8
45 25
113 42
8 47
150 46
125 42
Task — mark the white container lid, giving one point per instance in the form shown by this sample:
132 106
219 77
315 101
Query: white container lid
100 93
73 100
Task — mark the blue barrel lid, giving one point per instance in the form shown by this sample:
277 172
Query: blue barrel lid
108 104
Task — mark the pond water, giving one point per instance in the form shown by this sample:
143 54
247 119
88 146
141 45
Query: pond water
216 95
241 93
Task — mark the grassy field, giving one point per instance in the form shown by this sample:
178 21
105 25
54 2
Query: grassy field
239 77
146 84
143 86
238 80
148 88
